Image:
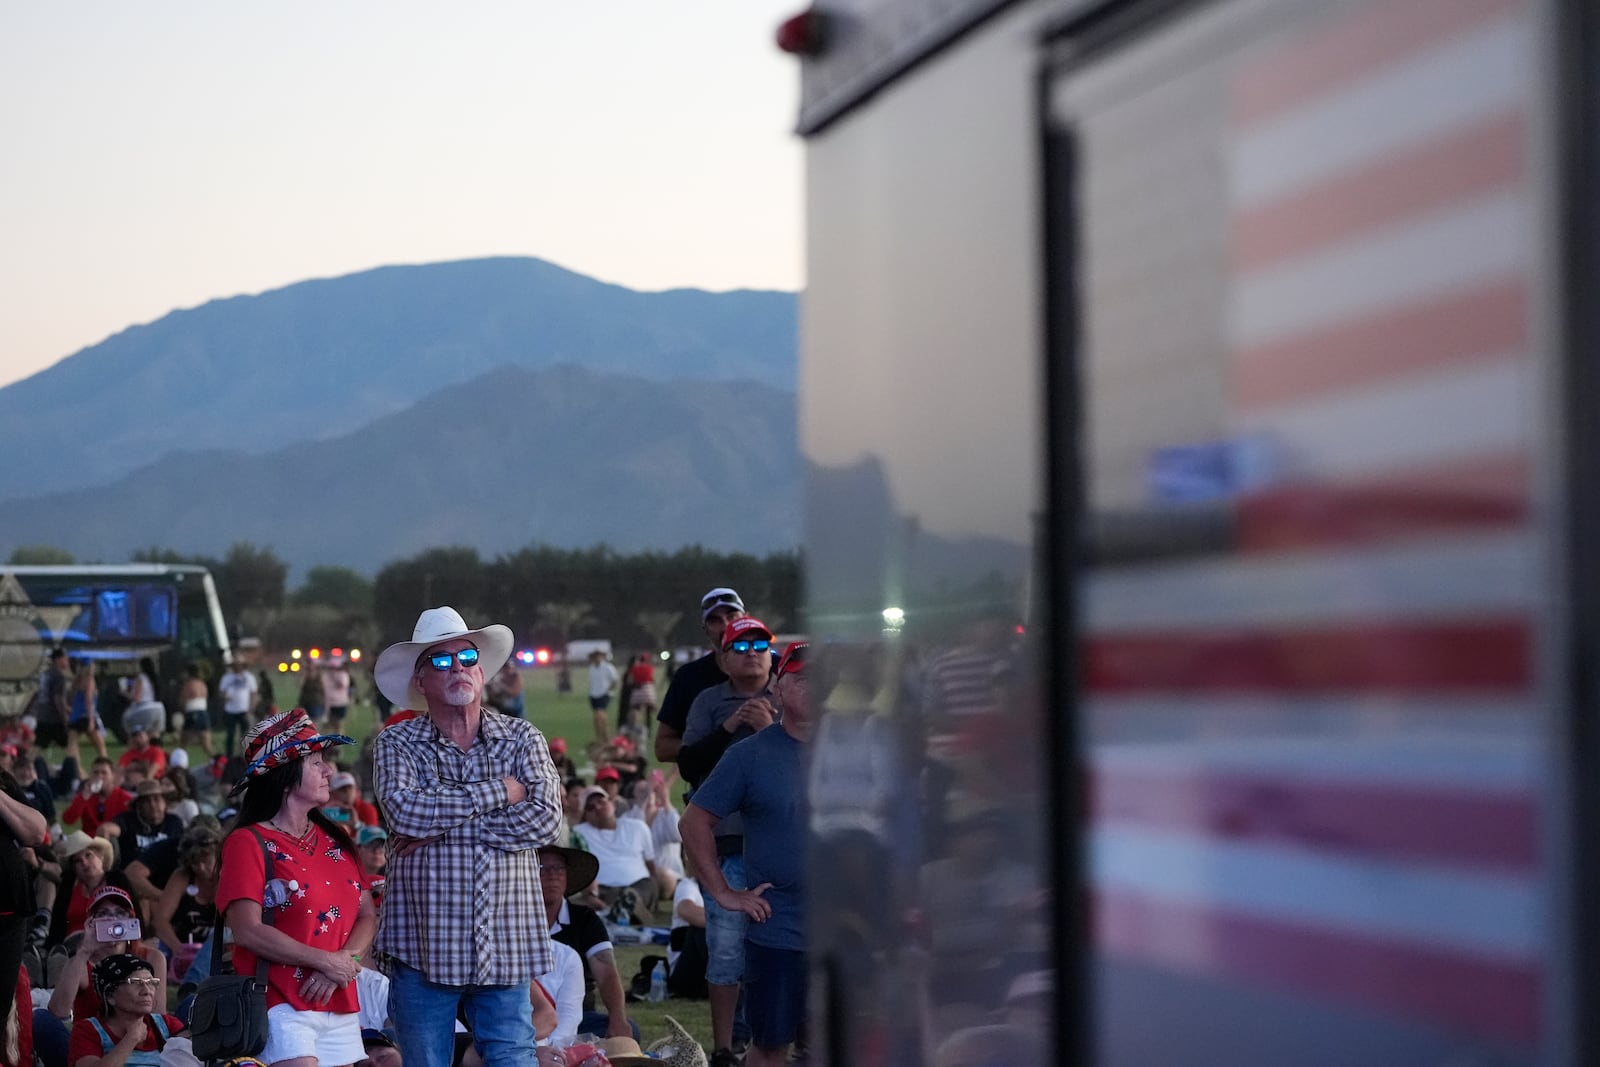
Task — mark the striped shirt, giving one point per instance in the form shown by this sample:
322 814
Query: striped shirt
466 909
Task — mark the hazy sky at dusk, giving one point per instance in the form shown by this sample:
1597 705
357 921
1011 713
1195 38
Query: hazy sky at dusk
156 156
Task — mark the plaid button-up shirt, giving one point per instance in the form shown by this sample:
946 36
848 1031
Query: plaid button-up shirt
467 909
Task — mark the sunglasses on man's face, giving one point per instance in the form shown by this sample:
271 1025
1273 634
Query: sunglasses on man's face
742 647
149 983
441 661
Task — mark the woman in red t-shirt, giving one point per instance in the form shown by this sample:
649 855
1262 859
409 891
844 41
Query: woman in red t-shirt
87 862
75 996
322 920
126 1033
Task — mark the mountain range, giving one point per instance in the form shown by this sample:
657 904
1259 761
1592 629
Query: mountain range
315 361
566 456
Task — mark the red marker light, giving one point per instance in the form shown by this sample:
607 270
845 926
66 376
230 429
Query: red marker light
804 34
336 652
543 655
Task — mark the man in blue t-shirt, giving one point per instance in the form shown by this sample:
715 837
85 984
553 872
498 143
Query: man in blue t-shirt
763 779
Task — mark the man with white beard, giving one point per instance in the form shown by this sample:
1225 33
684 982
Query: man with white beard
470 794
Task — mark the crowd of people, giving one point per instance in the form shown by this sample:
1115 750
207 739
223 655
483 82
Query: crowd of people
449 892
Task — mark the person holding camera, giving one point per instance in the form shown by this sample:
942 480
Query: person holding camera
322 918
129 1029
110 930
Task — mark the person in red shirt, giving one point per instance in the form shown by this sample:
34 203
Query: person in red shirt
99 799
74 995
322 918
128 1032
345 807
141 747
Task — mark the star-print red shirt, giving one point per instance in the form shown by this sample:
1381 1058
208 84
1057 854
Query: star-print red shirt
321 912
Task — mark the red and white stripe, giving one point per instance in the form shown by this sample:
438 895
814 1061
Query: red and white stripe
1344 799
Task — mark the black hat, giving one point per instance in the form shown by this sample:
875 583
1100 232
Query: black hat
370 1037
582 867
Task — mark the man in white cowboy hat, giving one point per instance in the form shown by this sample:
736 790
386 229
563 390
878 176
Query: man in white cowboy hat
470 795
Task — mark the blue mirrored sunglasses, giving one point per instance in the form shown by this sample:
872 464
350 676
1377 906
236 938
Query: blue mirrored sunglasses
749 646
441 661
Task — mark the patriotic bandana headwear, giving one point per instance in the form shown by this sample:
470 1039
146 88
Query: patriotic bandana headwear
113 971
279 739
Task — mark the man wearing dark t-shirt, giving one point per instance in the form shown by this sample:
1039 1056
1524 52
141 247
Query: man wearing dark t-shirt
139 831
55 703
718 607
568 871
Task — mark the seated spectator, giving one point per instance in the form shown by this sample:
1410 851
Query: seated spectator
99 799
15 730
559 757
345 807
625 852
373 844
380 1048
138 831
563 873
610 779
572 812
622 754
180 796
129 1025
157 865
142 748
664 825
133 775
40 796
686 947
187 910
86 863
75 996
563 986
645 807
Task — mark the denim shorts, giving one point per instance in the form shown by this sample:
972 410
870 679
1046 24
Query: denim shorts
725 930
775 995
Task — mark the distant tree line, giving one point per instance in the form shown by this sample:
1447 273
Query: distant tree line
546 595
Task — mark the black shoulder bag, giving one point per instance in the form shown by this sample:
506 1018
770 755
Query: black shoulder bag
229 1016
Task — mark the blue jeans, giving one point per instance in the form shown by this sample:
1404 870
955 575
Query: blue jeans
725 929
424 1014
200 969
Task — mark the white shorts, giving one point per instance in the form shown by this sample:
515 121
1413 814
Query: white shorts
333 1038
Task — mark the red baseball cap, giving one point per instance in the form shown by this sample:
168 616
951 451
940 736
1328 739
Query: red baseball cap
111 892
793 661
740 629
608 774
558 744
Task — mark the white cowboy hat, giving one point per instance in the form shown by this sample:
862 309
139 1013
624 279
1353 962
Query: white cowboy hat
398 662
77 841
